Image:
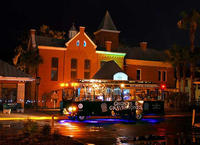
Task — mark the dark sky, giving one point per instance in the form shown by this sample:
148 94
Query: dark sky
153 21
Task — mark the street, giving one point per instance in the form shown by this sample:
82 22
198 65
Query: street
172 130
108 131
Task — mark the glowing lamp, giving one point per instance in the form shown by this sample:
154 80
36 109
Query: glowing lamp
163 86
66 84
62 84
74 108
70 109
122 85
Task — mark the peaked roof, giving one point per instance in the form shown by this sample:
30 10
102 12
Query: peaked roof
107 70
107 23
8 70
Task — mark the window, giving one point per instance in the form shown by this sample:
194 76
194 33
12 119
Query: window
77 43
84 43
73 75
164 76
73 68
87 64
138 74
86 75
54 69
87 69
159 75
73 63
186 83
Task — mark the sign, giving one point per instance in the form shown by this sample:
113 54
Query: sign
120 76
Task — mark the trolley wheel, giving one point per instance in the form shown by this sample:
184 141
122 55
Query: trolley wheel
138 116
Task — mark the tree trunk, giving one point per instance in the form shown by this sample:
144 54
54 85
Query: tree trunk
184 76
193 27
192 75
178 77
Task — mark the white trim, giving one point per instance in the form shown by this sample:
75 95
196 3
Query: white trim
90 40
111 53
2 78
113 31
148 63
67 43
51 48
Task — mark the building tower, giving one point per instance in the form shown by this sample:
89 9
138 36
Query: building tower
107 31
72 31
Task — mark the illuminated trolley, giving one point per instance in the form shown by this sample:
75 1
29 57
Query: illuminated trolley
126 99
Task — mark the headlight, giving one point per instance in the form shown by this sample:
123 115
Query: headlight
70 109
74 108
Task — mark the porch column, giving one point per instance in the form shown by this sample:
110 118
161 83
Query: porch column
21 93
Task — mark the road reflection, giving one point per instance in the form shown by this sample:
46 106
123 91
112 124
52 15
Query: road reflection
103 130
171 131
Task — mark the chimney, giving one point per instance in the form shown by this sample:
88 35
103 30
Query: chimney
82 29
143 45
108 45
33 42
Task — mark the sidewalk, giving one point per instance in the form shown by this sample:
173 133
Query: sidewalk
31 114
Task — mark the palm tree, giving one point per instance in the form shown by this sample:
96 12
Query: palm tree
29 61
174 56
190 21
184 61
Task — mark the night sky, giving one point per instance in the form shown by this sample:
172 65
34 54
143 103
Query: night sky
153 21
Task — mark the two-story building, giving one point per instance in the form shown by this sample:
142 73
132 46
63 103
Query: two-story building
79 57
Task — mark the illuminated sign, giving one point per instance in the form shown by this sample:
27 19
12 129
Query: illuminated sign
120 76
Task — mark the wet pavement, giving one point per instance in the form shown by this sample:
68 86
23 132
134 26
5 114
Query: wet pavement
167 130
172 131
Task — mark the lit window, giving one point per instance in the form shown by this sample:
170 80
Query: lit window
84 43
77 43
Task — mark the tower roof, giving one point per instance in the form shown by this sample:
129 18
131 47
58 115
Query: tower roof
73 28
107 23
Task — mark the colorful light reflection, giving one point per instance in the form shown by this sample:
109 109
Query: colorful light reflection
111 121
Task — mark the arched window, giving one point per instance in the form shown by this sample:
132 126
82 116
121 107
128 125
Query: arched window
77 43
84 43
